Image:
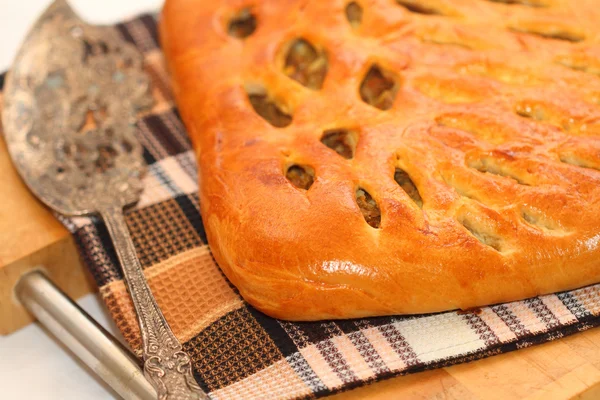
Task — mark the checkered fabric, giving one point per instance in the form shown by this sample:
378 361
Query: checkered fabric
240 353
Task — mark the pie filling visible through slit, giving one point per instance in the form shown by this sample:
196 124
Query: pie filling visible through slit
375 157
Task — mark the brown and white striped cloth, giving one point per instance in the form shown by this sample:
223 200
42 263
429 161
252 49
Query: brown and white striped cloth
240 353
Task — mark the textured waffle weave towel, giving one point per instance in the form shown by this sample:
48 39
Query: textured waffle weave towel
239 353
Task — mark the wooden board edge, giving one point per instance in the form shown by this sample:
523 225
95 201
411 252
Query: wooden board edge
60 261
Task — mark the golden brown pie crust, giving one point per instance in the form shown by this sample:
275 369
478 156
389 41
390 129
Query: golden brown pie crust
447 156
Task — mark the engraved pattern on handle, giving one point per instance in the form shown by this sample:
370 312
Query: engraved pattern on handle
166 365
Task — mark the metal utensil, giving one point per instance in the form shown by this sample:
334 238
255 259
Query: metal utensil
71 103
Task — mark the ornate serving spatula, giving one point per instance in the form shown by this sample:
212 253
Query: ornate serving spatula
71 103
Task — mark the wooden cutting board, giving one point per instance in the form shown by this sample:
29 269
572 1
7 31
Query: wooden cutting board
30 237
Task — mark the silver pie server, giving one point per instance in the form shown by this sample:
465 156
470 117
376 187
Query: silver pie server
71 102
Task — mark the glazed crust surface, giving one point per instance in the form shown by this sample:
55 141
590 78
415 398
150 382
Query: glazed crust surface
486 112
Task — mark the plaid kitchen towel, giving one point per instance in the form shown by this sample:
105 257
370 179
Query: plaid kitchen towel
240 353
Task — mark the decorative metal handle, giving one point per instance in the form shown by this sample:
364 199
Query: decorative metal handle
166 365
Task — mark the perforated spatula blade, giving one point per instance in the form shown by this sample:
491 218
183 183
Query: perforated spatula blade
71 102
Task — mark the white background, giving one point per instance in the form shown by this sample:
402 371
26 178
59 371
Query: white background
33 365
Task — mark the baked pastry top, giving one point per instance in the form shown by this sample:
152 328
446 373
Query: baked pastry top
374 157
